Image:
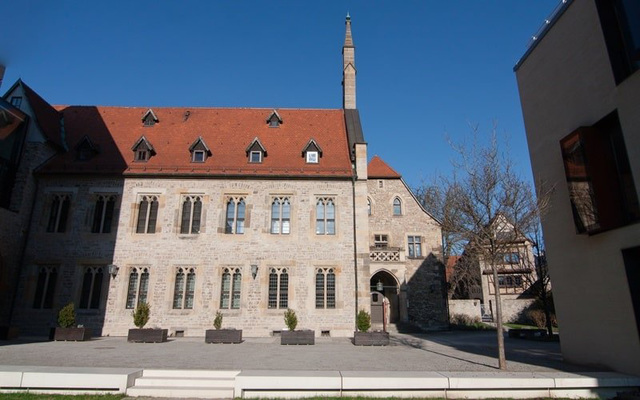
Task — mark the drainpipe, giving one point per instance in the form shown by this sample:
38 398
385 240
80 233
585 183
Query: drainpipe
355 246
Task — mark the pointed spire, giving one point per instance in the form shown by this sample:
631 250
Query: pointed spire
348 40
348 69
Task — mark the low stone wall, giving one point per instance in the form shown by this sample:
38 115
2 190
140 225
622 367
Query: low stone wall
511 308
470 308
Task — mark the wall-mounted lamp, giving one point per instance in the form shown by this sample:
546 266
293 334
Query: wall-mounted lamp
113 270
379 286
254 270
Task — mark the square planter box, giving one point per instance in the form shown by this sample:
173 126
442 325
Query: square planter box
72 334
147 335
8 332
298 337
377 338
223 336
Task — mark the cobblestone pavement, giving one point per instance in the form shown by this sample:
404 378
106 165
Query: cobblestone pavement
441 351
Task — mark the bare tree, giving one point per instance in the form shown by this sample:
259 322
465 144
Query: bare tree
539 284
490 207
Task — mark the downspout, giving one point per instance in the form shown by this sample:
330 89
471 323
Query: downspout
355 246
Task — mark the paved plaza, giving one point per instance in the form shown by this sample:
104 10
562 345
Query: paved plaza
439 351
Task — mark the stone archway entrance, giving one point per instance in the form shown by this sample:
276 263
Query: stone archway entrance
384 289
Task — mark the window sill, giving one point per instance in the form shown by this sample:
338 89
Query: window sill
416 258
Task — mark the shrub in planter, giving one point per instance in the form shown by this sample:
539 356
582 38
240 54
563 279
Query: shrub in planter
67 329
141 315
67 316
363 321
364 338
140 319
292 336
218 335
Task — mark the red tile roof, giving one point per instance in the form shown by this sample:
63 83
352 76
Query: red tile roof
226 131
379 169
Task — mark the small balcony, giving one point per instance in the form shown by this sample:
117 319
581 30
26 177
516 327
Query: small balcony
386 254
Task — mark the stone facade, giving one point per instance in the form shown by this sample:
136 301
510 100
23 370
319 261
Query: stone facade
105 230
420 290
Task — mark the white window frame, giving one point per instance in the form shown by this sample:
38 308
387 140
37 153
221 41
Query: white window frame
252 153
312 157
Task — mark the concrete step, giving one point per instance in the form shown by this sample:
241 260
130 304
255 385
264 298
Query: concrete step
203 384
188 373
186 382
181 392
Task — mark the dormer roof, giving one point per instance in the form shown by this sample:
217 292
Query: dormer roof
199 143
255 145
312 146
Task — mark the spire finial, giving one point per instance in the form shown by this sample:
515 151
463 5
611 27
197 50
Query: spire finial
348 40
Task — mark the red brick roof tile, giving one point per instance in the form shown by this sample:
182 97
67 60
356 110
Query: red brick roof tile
227 132
380 169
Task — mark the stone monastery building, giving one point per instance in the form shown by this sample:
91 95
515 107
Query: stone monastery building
244 210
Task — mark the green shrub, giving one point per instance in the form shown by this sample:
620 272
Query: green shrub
217 322
67 316
463 319
467 323
141 314
290 319
363 321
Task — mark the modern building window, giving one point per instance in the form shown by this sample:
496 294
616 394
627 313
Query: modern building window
601 186
59 213
397 206
620 20
45 287
380 240
138 287
280 216
278 288
234 222
91 288
415 246
184 289
191 214
147 214
16 101
325 288
231 288
103 213
325 216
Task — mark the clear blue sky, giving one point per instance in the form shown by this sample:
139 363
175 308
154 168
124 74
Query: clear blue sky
425 68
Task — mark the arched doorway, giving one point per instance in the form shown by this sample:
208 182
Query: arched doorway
385 284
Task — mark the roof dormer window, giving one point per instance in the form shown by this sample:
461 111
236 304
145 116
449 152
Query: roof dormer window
199 151
256 151
274 119
85 150
312 152
149 118
142 150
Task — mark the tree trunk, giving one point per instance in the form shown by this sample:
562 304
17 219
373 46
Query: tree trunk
547 315
502 361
